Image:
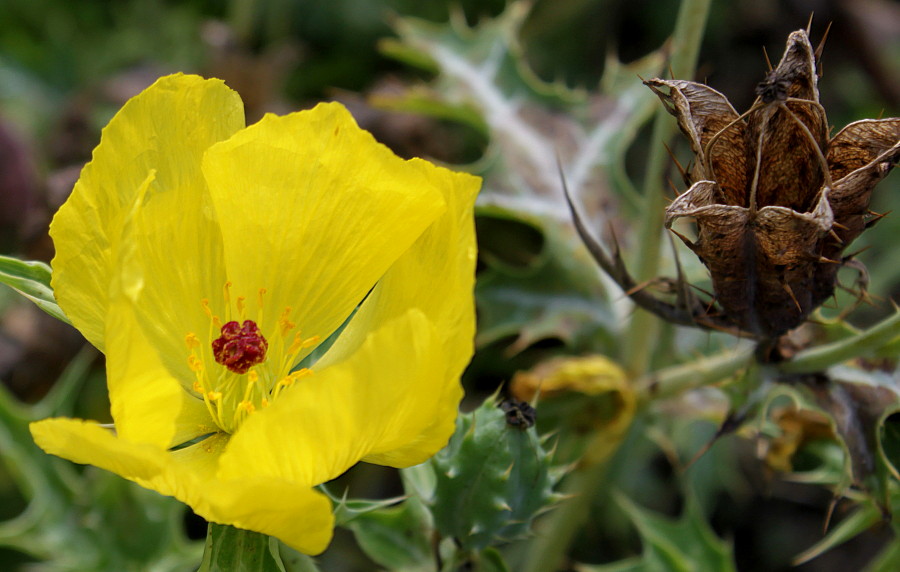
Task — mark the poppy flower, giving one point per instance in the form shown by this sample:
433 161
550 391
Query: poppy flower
276 303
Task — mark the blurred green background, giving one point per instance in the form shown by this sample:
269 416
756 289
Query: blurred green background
66 67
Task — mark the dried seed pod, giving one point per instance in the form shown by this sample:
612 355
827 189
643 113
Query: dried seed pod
775 200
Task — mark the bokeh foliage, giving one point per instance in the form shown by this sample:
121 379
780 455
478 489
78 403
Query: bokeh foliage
518 92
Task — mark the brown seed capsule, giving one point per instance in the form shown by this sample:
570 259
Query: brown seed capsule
774 199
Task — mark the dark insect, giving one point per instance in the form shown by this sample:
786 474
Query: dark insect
519 414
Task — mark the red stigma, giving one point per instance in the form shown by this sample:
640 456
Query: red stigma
240 347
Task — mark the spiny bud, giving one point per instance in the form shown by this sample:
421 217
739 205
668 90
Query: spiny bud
502 476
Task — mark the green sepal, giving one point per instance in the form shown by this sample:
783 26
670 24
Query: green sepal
346 510
32 280
230 549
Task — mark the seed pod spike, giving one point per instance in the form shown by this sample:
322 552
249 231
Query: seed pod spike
821 47
790 292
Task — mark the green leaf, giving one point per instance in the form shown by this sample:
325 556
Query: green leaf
538 284
686 544
398 538
853 525
635 564
32 280
888 560
145 530
230 549
490 560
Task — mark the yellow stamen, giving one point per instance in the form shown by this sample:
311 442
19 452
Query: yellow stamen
195 364
214 395
246 406
240 306
260 294
197 387
299 343
205 303
192 341
264 403
285 324
259 306
290 379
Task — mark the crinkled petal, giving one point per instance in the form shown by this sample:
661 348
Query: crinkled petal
388 390
376 402
435 276
148 404
298 515
314 210
165 129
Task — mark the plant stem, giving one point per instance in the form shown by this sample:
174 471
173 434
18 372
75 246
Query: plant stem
546 553
686 39
823 357
675 380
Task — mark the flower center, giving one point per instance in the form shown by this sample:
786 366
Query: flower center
240 347
255 368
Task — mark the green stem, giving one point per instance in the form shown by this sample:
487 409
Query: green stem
675 380
643 328
229 548
546 553
823 357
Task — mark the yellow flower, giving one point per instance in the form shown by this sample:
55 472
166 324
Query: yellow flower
207 260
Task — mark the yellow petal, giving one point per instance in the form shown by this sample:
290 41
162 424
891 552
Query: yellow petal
298 515
314 211
166 128
148 404
377 402
436 277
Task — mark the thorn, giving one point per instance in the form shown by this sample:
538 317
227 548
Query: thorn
681 170
824 260
829 513
703 291
699 454
821 47
856 253
839 225
674 191
787 288
638 287
768 62
809 23
875 218
835 236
